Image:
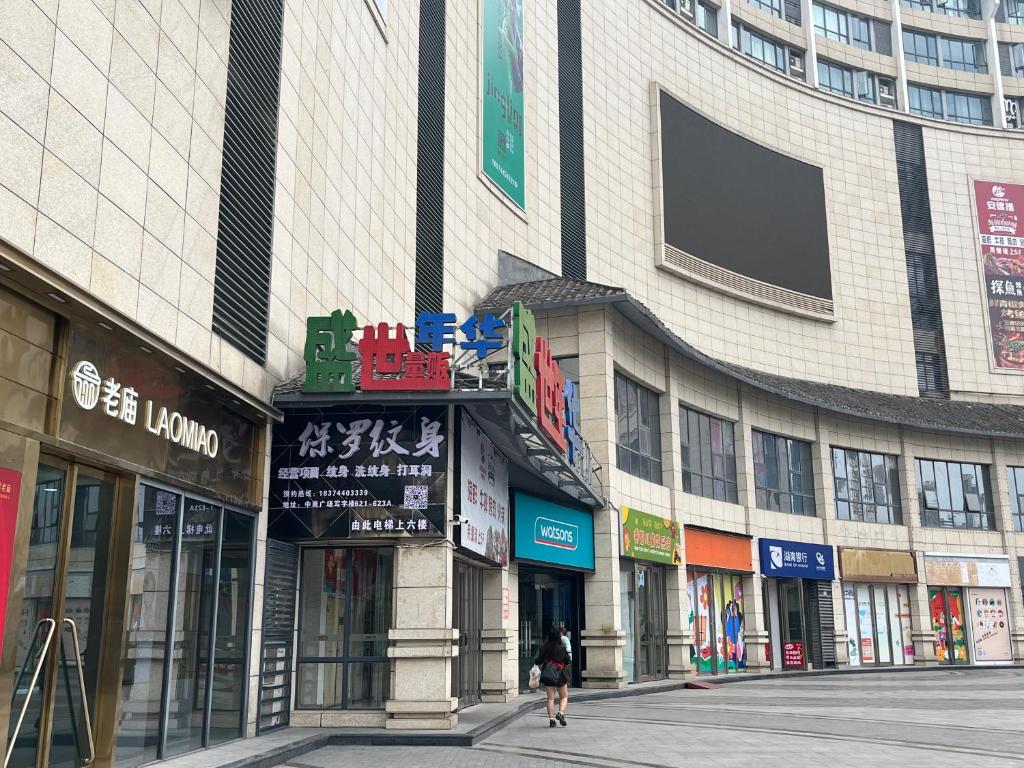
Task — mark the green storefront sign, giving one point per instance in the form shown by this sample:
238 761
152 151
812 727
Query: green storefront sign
502 125
652 538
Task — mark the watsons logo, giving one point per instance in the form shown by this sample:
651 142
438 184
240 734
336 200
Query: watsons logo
553 533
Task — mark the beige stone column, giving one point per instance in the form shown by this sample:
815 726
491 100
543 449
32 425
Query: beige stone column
679 635
920 613
498 638
422 642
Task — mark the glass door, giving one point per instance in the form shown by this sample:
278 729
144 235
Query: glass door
946 606
548 600
62 617
467 602
794 654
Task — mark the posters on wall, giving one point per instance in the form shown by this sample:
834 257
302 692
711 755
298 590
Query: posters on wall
867 641
484 510
852 634
360 471
1001 234
502 123
717 622
947 615
990 623
649 537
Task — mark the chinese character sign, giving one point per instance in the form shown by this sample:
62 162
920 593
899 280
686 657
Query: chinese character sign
1001 235
359 472
504 160
10 493
484 503
648 537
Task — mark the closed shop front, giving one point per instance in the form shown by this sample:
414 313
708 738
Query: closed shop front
969 607
798 603
650 547
719 568
876 604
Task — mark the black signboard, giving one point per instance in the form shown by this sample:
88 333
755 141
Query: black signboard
359 471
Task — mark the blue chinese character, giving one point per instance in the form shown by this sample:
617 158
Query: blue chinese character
484 335
572 420
435 329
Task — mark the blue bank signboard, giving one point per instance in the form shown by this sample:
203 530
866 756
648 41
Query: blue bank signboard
547 532
797 560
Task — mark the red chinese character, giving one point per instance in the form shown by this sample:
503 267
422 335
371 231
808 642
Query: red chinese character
382 354
550 385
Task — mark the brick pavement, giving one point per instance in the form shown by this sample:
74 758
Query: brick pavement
973 718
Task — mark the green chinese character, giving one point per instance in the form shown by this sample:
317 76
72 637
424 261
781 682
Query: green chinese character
327 354
524 340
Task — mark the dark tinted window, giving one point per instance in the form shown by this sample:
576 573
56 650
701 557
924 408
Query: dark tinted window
954 495
866 486
638 421
709 455
783 474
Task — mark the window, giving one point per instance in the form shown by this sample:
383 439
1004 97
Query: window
707 18
926 102
969 108
344 618
774 7
639 429
834 78
917 5
867 486
865 84
954 495
759 47
920 47
1015 11
1015 54
963 55
966 9
709 455
1016 475
783 475
860 32
831 23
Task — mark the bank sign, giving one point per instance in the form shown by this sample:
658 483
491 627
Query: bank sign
546 532
797 560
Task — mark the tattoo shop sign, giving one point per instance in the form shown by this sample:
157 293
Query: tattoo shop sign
367 471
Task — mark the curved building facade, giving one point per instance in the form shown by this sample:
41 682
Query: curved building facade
354 347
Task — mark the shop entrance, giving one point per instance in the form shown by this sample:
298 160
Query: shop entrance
468 605
63 617
791 614
946 606
548 599
716 620
644 621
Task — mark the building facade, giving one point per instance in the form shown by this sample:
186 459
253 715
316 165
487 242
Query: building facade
775 248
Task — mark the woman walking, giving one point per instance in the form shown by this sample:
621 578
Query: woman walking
554 675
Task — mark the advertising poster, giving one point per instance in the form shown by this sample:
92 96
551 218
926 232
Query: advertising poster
484 510
703 620
1001 234
367 471
792 655
990 622
651 538
904 616
852 632
504 160
867 642
730 603
10 492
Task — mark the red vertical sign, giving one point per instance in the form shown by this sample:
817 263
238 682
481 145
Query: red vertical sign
10 491
1001 234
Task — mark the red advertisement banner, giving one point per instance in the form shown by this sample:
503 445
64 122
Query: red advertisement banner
1001 235
10 491
792 654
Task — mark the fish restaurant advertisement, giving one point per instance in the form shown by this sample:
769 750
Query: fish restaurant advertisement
1000 207
547 532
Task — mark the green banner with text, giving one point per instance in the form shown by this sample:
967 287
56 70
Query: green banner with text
502 125
648 537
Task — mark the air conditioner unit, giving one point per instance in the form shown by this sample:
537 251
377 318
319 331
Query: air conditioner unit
796 65
886 97
686 8
1012 113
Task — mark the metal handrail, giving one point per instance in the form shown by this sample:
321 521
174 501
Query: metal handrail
81 685
35 677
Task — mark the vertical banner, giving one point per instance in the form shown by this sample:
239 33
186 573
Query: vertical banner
990 622
1001 234
484 502
10 492
502 85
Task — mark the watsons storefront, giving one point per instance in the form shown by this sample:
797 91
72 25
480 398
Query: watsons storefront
650 562
798 603
969 607
405 463
130 486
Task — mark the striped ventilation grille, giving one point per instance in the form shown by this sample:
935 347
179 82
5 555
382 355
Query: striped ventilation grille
1005 60
793 11
278 625
826 626
430 160
241 289
883 36
570 128
745 287
922 276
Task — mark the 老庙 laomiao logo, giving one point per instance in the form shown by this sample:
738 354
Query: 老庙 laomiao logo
553 533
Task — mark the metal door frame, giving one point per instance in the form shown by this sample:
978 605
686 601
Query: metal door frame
781 583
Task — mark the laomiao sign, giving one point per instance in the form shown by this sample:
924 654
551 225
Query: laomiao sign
551 533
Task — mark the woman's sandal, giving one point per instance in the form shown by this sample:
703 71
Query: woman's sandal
561 719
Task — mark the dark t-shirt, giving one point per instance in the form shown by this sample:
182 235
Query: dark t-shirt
558 655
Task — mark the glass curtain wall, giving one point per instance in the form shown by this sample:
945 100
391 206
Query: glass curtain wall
206 553
878 624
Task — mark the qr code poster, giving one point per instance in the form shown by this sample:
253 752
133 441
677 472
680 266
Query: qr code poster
359 472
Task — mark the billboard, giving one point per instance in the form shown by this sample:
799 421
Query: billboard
502 128
484 503
547 532
649 537
1001 235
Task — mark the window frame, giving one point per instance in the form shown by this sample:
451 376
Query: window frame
890 467
939 502
839 30
912 53
919 90
654 458
955 55
827 70
1015 480
709 480
706 18
773 7
984 104
765 493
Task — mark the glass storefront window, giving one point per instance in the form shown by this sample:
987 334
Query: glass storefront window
344 618
717 622
947 613
878 624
